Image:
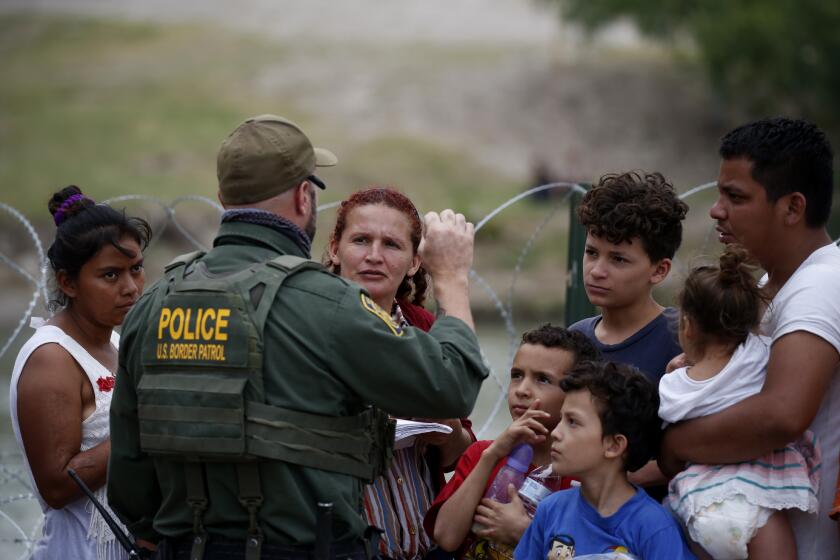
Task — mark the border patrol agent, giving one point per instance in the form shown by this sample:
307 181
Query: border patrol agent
254 385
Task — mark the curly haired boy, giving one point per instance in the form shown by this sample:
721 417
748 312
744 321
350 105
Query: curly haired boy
634 226
608 426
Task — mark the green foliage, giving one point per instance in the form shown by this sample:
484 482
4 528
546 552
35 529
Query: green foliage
104 105
763 56
121 108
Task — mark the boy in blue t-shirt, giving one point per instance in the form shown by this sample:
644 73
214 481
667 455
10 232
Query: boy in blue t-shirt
607 427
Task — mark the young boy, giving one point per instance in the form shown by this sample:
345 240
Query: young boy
534 401
634 227
607 426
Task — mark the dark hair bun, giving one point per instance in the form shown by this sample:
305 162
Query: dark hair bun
736 268
724 301
67 202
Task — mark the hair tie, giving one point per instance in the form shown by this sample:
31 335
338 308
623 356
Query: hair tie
59 215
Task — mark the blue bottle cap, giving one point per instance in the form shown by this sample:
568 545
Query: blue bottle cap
520 458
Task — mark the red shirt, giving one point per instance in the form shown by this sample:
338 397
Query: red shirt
465 466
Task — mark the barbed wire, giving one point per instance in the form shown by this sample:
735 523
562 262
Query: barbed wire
22 531
39 282
506 311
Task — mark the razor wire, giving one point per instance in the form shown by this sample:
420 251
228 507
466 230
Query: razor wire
20 519
506 311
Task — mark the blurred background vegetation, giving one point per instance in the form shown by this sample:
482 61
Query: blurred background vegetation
761 56
459 105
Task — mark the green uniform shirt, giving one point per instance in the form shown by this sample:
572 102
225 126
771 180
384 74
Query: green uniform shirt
325 353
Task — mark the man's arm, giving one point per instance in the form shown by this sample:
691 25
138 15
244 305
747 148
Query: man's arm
798 375
649 475
408 372
133 491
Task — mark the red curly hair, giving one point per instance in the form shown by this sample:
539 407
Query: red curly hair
412 288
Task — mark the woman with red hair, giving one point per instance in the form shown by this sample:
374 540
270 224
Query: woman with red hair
375 244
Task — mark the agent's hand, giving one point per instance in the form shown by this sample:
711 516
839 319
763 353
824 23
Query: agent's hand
525 429
439 438
447 247
504 523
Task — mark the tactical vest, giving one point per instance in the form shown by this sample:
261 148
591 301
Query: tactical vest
201 397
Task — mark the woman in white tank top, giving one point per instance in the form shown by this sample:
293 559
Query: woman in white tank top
63 377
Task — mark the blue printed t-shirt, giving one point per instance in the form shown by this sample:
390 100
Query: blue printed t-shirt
566 526
649 349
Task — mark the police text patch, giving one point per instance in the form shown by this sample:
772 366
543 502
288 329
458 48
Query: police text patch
198 330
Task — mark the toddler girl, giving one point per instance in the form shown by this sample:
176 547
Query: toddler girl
732 511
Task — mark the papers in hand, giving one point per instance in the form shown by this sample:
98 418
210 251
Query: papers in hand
408 430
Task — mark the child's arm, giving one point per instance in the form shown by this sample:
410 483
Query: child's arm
505 523
456 515
649 475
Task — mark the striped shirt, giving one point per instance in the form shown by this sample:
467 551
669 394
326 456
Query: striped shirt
785 478
397 502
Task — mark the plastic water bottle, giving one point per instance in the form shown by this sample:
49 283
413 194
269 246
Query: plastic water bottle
537 486
512 473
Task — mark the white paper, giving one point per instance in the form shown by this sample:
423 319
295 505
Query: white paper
408 430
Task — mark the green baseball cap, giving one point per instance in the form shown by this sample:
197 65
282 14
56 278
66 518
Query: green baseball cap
264 156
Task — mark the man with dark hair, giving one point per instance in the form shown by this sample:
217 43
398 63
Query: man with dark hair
608 426
775 189
247 374
787 156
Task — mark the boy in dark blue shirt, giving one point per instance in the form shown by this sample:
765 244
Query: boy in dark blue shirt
634 228
607 427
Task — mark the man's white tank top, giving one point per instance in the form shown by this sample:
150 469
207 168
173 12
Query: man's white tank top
76 530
